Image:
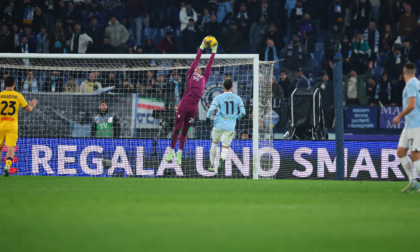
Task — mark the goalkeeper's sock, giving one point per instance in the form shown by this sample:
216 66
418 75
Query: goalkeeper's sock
213 151
408 167
224 154
9 161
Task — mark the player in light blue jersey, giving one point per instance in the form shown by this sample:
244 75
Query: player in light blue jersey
227 104
410 136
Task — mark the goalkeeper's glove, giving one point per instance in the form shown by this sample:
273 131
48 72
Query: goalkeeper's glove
203 44
214 48
208 122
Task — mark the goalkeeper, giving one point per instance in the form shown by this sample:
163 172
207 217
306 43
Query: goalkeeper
227 104
105 125
187 107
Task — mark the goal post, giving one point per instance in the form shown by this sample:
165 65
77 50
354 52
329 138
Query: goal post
145 112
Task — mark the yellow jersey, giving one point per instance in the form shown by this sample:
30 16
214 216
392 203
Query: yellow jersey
10 102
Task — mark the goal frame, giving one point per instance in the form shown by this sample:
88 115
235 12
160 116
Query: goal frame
255 79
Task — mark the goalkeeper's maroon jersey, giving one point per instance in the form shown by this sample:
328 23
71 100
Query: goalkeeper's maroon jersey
196 83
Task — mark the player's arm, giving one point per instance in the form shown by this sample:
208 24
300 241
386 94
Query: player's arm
242 112
211 110
210 63
197 59
32 104
407 110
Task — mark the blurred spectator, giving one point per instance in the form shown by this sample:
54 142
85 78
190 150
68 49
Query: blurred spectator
394 63
94 9
355 87
256 35
300 81
336 13
121 13
95 31
152 88
361 54
360 13
30 84
110 80
288 6
407 22
5 75
90 84
416 47
371 91
117 34
204 19
9 13
16 31
54 83
271 53
213 27
309 47
139 18
167 44
60 12
285 84
267 11
223 10
57 39
73 14
6 40
186 14
79 41
24 46
384 91
294 57
243 21
276 90
332 43
375 10
42 41
125 87
149 46
326 88
71 86
38 21
190 38
305 25
371 36
386 41
389 14
233 40
297 13
275 35
407 51
346 51
177 87
31 37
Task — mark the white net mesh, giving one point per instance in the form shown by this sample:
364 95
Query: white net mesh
67 135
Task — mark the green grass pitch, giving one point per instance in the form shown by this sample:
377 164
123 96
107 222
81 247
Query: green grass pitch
134 214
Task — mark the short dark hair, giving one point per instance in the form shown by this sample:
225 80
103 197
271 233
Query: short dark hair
9 81
103 101
409 66
228 84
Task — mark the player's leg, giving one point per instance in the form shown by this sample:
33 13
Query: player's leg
10 141
215 135
179 122
226 138
414 147
405 160
188 122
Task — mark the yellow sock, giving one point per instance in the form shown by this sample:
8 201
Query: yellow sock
9 162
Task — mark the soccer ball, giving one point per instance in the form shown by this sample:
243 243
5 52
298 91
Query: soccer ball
210 41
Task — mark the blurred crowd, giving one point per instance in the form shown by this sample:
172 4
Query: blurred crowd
375 38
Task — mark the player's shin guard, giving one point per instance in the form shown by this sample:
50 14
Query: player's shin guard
408 167
213 151
224 154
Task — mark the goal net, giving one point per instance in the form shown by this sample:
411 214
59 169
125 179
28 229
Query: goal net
68 133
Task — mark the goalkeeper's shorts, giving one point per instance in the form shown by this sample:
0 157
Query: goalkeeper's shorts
226 136
8 137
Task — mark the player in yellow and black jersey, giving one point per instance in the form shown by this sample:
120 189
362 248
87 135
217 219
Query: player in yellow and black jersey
10 102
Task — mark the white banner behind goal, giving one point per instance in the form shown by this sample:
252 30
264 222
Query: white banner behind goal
66 134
